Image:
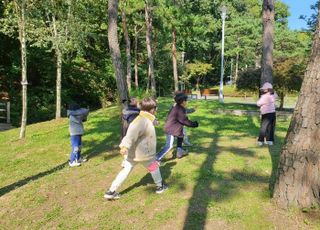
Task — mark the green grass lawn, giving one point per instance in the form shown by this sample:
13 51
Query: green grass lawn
224 183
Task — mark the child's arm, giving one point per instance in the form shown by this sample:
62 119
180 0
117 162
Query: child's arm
79 112
183 119
156 122
262 100
191 110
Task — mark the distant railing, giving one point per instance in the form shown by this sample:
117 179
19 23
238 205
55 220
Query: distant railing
5 111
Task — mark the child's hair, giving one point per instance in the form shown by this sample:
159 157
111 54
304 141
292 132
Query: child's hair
180 98
73 106
133 102
147 104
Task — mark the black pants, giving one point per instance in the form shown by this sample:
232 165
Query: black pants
268 122
179 142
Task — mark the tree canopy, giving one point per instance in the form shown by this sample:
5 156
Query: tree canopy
87 72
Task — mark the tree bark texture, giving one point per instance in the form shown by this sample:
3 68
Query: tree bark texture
281 97
21 11
128 48
174 59
298 181
267 47
136 80
58 84
148 19
59 68
115 52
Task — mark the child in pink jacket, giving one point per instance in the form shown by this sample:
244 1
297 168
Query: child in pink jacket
268 114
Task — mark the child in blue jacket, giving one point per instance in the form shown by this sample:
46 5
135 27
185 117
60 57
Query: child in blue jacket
76 117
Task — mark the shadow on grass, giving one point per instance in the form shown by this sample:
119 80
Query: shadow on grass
109 129
274 152
215 186
147 179
100 126
25 181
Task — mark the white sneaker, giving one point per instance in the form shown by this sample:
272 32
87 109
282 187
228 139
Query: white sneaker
269 142
74 164
259 143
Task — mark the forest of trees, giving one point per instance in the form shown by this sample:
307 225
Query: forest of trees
162 44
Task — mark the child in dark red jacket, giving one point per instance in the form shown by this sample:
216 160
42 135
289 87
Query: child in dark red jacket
176 119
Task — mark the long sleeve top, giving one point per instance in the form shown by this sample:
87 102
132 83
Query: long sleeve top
267 103
176 119
76 117
140 139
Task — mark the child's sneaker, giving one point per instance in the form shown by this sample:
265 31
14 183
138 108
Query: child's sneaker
187 143
81 160
181 153
162 188
269 142
259 143
111 195
74 164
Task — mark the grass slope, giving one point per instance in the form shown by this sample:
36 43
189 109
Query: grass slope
223 184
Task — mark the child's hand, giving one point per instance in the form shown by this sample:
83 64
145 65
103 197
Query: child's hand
156 123
195 124
124 151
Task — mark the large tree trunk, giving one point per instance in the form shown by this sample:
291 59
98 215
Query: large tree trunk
115 52
136 80
298 181
174 59
20 10
267 59
148 18
58 84
128 48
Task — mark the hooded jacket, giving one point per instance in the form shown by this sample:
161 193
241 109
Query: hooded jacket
76 117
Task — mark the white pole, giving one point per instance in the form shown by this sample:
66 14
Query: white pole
223 16
8 112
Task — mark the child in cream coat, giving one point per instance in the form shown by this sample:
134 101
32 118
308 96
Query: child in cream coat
139 145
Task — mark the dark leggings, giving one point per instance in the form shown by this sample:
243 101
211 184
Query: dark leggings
179 142
268 122
169 146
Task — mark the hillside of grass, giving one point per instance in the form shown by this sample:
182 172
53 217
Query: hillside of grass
224 183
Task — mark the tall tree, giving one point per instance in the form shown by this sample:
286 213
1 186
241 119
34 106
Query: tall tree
151 76
298 181
136 80
242 41
16 21
115 52
65 35
267 47
20 8
128 47
174 58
